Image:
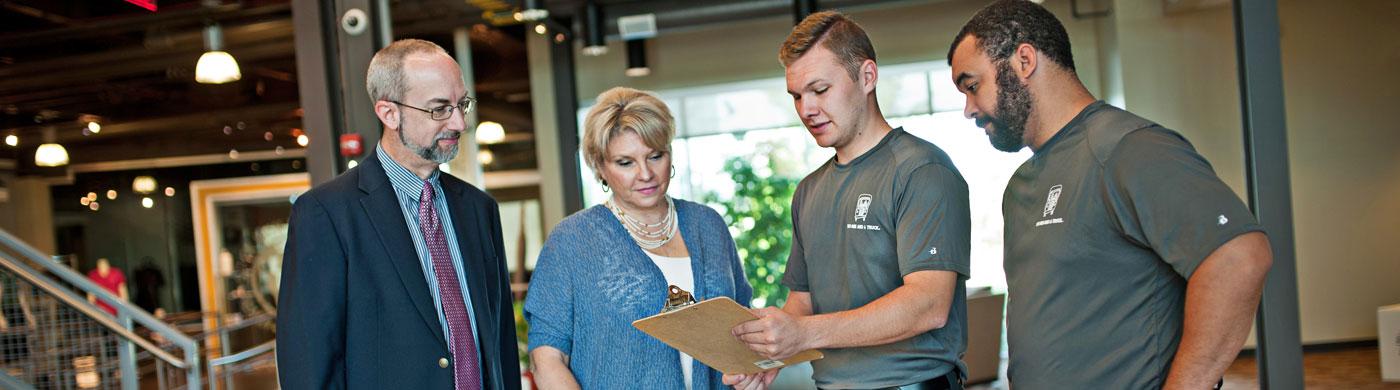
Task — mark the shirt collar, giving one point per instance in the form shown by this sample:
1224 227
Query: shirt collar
404 181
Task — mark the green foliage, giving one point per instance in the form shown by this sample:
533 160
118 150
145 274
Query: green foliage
760 217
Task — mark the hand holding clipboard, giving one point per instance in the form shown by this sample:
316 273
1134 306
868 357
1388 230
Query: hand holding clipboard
703 331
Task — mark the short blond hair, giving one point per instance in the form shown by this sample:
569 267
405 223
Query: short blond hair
625 109
384 80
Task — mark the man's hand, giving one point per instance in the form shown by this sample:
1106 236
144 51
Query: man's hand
757 381
776 334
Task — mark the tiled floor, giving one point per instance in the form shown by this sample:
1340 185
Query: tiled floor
1342 369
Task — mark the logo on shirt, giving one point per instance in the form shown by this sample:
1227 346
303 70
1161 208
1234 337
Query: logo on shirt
1051 200
1222 220
862 211
862 207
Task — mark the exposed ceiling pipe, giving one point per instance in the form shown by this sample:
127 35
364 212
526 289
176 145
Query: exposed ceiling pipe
685 15
166 17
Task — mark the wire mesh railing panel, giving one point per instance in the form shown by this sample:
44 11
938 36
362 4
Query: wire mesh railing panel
52 345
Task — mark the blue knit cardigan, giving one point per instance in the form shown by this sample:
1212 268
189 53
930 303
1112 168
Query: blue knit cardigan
592 281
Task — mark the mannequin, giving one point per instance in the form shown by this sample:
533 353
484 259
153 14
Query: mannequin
111 279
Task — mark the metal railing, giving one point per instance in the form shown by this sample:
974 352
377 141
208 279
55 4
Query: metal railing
52 337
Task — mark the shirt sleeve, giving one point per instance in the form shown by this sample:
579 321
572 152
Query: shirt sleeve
1165 196
795 275
549 305
933 223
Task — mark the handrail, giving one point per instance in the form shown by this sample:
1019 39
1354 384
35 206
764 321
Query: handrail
125 311
89 310
241 356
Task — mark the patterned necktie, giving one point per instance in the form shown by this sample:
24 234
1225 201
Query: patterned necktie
466 367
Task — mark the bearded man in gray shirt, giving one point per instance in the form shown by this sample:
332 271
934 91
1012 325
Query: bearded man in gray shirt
881 233
1129 264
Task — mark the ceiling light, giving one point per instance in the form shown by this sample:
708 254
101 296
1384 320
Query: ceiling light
532 11
84 201
91 196
93 206
51 155
594 42
541 29
147 202
637 58
489 132
111 195
216 66
485 157
144 184
94 127
12 140
303 140
169 191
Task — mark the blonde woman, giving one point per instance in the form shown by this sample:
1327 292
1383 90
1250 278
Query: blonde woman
612 263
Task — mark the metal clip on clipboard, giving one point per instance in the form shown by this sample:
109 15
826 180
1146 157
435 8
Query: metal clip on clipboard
677 298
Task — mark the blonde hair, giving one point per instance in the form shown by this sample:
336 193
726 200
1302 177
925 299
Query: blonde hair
625 109
384 80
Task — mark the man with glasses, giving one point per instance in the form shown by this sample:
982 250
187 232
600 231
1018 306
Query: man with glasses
393 274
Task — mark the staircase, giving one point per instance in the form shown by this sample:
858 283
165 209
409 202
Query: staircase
51 337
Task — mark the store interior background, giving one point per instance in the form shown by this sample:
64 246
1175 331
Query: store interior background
1173 62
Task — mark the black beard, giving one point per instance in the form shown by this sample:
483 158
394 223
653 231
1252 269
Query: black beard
1013 108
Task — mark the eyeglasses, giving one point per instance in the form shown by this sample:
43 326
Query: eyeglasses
444 111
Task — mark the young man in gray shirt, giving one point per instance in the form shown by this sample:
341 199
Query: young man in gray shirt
1129 264
881 233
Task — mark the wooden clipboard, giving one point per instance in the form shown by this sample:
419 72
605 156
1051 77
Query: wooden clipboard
702 330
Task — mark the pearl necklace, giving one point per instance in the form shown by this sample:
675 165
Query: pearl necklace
648 235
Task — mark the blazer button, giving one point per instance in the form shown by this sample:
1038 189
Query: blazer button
442 362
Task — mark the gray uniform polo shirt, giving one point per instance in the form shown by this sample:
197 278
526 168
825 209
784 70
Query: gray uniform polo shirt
859 228
1104 226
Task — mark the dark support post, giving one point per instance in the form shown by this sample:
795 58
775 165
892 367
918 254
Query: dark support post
1270 193
315 65
566 110
332 60
802 8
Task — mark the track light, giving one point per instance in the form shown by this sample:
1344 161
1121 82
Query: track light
216 66
594 42
637 58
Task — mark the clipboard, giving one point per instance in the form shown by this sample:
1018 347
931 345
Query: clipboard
702 330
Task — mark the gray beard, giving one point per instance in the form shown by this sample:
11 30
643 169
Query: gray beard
430 152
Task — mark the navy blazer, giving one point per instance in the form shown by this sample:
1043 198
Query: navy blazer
354 309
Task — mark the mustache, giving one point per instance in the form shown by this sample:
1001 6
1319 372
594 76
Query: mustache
983 120
448 135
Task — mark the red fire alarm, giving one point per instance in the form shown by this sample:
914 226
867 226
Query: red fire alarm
351 145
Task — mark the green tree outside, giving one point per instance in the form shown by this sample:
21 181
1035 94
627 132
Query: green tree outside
760 218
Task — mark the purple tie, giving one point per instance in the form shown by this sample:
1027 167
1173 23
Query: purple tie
465 366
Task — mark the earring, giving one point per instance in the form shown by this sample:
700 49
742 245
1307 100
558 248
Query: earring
605 185
673 171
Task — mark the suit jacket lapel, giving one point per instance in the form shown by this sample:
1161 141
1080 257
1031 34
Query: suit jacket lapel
472 234
382 206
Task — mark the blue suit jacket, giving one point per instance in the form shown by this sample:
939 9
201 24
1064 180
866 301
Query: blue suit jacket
354 307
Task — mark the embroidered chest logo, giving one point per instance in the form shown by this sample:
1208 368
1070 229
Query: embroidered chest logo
1051 200
862 211
862 207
